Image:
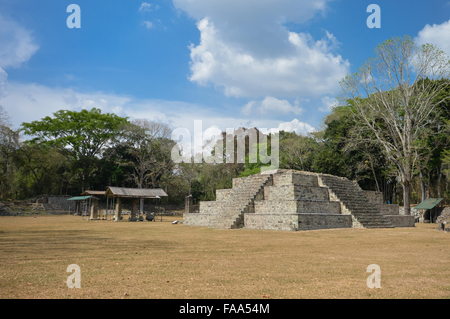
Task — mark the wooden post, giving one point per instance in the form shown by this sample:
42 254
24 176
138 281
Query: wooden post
134 210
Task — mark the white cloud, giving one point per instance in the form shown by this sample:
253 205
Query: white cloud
310 70
148 24
16 47
16 44
238 12
30 102
246 50
328 104
145 7
294 126
437 34
271 105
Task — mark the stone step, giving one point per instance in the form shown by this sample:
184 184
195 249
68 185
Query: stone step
354 200
240 199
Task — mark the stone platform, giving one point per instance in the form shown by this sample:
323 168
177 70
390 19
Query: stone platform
295 200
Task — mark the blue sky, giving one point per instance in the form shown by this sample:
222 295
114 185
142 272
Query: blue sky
230 63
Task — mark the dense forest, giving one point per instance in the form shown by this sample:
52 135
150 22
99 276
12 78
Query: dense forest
390 137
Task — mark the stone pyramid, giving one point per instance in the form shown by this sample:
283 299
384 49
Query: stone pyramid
296 200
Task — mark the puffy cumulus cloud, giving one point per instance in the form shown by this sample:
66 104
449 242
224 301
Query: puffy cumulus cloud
246 50
253 25
16 44
296 126
308 69
271 105
437 34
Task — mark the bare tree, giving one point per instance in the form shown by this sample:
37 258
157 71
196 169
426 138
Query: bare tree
393 96
148 145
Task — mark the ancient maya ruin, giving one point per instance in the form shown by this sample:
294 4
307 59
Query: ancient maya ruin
295 200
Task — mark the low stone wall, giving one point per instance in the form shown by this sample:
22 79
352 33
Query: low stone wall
205 220
297 207
61 202
401 221
302 221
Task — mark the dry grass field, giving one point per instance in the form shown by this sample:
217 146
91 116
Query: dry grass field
162 260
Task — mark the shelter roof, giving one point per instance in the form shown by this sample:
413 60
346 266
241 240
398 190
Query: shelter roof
98 193
429 203
135 192
82 197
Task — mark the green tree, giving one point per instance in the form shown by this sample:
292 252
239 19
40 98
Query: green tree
81 136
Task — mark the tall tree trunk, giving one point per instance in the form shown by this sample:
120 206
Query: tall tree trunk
374 175
406 202
141 203
439 173
422 186
422 183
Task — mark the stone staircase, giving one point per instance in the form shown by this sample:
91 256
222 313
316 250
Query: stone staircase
364 214
241 201
229 208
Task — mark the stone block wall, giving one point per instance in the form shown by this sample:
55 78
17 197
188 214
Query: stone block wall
387 209
61 202
297 207
374 197
401 221
237 182
295 179
211 207
223 194
302 221
295 192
